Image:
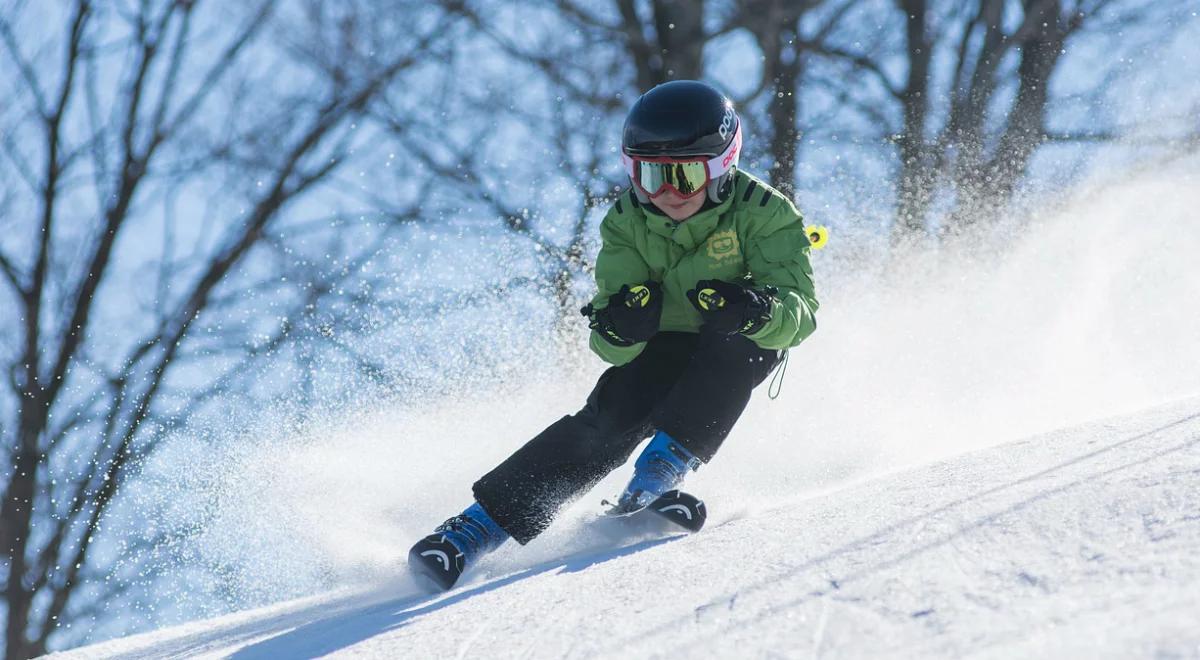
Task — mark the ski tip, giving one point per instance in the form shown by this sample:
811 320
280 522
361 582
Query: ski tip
681 508
436 564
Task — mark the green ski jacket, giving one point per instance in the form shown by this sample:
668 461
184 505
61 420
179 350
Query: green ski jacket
756 232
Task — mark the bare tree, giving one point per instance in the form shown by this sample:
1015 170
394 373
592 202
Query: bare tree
964 142
104 240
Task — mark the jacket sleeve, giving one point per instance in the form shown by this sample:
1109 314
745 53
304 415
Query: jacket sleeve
618 263
780 258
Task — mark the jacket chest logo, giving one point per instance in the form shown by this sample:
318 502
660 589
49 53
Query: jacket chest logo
723 245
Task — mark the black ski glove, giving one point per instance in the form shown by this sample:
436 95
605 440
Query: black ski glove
729 308
631 316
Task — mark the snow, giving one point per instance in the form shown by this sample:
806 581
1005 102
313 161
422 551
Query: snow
1081 542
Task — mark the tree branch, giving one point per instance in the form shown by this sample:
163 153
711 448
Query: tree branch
13 276
859 61
18 161
569 8
53 170
550 65
175 62
27 74
193 103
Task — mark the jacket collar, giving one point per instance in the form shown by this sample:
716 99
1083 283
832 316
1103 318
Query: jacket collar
691 232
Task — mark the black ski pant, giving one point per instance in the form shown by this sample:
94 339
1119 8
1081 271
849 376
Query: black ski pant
691 386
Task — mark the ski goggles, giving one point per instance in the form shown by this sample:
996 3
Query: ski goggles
687 177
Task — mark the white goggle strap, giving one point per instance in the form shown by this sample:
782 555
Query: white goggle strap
719 165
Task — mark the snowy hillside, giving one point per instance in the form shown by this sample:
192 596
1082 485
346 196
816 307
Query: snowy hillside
1082 542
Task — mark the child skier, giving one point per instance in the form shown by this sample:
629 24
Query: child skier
703 282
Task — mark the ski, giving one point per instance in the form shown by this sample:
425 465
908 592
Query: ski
436 563
679 508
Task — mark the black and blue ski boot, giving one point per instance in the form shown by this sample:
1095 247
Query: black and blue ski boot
659 469
456 545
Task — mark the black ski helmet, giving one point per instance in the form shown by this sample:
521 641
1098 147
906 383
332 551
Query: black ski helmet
683 118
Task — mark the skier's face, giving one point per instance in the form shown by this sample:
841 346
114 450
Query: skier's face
676 207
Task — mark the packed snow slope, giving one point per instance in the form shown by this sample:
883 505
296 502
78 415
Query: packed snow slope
1082 542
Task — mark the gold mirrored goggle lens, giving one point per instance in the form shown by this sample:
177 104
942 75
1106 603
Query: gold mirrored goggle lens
686 178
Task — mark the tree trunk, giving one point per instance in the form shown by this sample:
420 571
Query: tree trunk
1026 129
987 187
18 516
675 49
782 111
915 180
963 142
680 28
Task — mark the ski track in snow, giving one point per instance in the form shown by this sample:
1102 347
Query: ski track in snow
1076 543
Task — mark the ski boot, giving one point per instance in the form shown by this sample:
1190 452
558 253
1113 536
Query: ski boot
455 545
660 469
